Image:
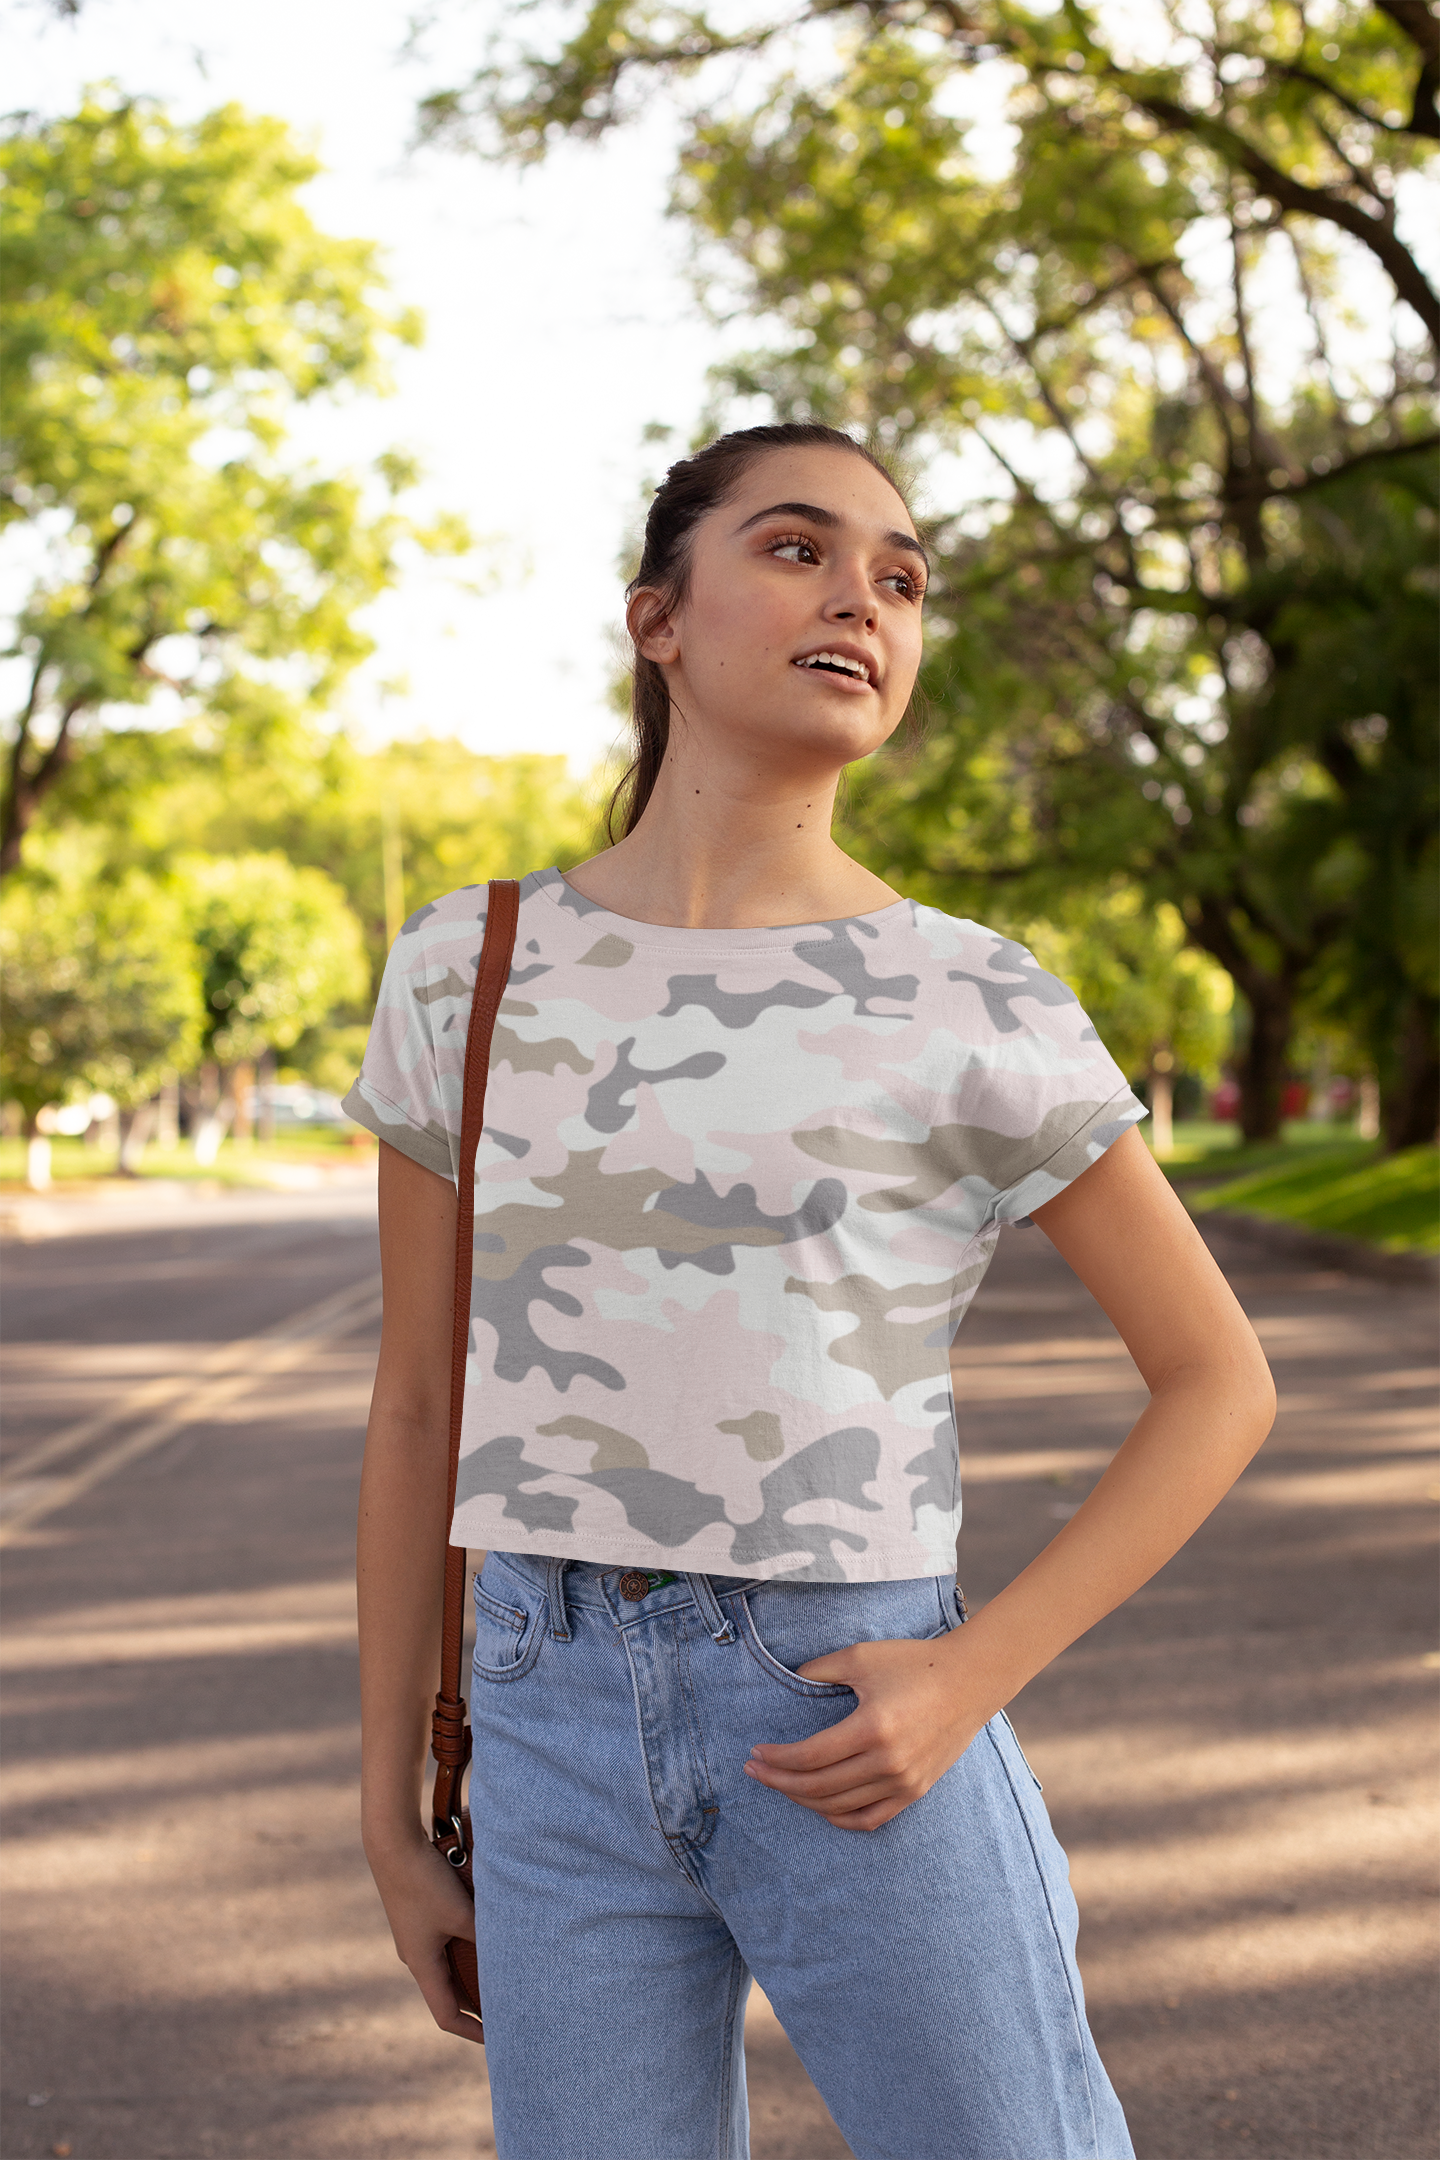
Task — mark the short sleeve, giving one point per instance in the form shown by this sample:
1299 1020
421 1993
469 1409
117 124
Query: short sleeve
1046 1093
412 1077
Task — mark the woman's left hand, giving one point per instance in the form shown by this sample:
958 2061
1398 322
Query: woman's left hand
913 1719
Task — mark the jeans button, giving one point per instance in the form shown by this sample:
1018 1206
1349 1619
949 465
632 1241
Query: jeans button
634 1585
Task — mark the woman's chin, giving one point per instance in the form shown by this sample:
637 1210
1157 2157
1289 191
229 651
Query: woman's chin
835 737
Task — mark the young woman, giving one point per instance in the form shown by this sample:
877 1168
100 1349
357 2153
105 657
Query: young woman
754 1124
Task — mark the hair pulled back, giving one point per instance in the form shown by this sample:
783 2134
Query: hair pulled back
692 488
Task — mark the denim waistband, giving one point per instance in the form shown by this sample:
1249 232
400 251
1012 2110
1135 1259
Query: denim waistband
567 1583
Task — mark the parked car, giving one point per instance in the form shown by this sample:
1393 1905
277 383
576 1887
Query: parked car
294 1108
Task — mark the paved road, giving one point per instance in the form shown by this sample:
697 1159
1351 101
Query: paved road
1240 1762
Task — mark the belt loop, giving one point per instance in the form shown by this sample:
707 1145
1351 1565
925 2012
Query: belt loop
555 1592
701 1590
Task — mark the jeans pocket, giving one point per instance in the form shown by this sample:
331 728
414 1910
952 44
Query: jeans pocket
507 1636
1015 1739
786 1634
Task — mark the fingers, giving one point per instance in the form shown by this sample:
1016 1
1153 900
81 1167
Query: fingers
835 1744
869 1818
818 1784
435 1984
835 1668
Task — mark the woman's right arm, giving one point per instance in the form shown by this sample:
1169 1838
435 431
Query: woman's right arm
399 1574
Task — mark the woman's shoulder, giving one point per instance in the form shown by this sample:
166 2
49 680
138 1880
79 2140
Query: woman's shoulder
960 938
461 911
979 963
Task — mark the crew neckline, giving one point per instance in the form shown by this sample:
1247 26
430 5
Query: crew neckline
759 937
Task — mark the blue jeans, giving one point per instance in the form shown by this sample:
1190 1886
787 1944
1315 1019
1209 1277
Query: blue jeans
630 1878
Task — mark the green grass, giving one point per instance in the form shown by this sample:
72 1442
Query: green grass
1205 1150
240 1162
1350 1189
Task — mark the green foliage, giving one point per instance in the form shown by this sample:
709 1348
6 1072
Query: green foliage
274 781
100 985
275 785
1146 990
169 304
1178 627
278 950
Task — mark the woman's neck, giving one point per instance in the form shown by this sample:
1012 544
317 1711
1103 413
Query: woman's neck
732 851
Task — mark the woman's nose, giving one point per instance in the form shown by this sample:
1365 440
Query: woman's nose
852 605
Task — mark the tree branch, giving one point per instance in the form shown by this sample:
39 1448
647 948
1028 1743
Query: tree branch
1221 400
27 790
1290 72
1423 31
1373 456
1301 200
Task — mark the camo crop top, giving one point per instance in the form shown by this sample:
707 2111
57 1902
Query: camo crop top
735 1191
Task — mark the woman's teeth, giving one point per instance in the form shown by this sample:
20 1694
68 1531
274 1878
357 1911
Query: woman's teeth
837 663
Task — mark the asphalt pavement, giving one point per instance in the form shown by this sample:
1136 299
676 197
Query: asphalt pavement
1241 1763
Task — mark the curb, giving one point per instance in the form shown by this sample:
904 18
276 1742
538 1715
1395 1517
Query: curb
1321 1248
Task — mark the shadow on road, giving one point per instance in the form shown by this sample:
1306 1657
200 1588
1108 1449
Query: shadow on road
1240 1762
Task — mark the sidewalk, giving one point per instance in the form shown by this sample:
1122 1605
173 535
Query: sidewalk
82 1209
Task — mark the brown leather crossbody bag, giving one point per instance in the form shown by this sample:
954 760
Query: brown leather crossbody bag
450 1725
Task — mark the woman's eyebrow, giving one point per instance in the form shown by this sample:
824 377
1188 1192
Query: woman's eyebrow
828 518
812 511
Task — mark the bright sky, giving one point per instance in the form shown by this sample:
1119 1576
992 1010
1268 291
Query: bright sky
559 323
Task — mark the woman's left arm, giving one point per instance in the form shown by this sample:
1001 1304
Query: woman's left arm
1212 1401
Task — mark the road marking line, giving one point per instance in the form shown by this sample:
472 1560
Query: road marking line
274 1350
150 1394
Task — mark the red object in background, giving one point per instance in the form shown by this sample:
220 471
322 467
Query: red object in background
1294 1101
1225 1102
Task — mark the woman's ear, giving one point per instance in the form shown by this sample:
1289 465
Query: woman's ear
651 630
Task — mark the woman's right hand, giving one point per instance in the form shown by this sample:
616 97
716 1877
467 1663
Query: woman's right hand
426 1904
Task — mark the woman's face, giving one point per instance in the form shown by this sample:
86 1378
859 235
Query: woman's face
813 555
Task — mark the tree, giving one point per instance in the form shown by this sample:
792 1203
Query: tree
169 306
277 781
278 950
1358 632
1160 1007
100 989
1170 474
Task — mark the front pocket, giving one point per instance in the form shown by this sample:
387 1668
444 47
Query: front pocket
1020 1750
802 1652
507 1637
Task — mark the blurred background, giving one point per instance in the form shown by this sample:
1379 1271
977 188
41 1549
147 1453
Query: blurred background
343 344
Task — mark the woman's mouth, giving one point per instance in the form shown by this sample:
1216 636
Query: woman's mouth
844 665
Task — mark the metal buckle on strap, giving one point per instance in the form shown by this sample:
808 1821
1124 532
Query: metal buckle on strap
456 1853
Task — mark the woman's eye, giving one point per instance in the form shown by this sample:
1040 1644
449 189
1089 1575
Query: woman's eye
794 549
904 584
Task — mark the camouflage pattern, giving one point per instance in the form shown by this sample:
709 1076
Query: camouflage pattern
735 1191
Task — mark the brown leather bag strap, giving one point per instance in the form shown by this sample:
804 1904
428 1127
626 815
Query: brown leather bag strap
450 1738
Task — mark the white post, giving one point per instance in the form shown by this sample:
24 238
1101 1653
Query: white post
37 1162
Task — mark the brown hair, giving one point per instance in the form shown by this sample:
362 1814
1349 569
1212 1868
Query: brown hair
690 490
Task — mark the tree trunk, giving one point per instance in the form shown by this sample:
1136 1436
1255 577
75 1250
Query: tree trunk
1269 994
216 1109
37 1154
167 1114
1162 1111
1261 1069
265 1092
136 1125
242 1096
1410 1091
